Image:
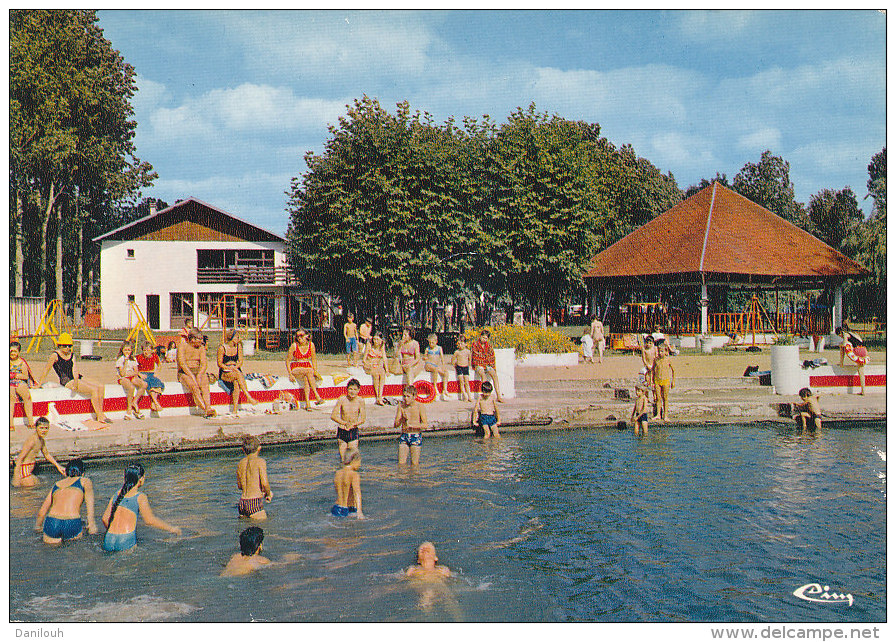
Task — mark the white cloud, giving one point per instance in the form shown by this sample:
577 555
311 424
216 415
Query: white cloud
652 91
715 26
676 149
760 140
248 108
150 94
327 44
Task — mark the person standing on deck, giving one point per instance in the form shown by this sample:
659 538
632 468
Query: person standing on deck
483 360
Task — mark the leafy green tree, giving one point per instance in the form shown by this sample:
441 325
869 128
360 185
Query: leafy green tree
704 183
877 181
867 244
833 214
768 184
378 212
71 132
551 209
645 193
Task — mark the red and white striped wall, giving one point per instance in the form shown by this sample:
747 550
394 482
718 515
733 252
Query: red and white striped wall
177 401
833 379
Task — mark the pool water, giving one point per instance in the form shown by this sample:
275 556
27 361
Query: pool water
707 523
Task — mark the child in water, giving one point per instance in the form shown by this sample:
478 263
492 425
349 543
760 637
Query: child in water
640 412
252 479
411 418
348 486
249 559
808 410
27 459
59 516
426 567
348 414
486 413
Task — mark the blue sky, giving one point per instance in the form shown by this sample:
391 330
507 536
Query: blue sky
230 101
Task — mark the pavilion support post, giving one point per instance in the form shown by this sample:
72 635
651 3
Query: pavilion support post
704 310
837 309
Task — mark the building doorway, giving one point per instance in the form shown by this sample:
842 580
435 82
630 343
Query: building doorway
152 311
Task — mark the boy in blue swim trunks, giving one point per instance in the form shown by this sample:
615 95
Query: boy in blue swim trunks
411 418
486 413
350 333
348 486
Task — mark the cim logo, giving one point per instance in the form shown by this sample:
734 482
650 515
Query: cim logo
822 595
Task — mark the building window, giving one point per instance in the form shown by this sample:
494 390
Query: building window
181 308
130 254
235 266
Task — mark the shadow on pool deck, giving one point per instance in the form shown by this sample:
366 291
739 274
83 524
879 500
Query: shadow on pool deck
541 403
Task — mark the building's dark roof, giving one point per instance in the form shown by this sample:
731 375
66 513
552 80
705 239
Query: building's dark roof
717 232
196 211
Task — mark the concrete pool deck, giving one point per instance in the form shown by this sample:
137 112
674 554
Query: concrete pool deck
708 389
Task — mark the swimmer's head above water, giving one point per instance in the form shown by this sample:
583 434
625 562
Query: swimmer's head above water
426 554
250 541
250 444
74 468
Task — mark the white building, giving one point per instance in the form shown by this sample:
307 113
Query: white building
193 260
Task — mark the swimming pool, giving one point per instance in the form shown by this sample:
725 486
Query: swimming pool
705 523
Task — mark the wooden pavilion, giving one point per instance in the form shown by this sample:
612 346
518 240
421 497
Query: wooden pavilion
717 241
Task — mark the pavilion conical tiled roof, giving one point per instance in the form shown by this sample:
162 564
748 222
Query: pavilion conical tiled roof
719 232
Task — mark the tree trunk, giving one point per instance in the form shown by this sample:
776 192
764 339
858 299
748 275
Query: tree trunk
44 259
20 254
79 276
59 231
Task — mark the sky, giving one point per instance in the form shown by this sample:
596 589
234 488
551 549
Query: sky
229 102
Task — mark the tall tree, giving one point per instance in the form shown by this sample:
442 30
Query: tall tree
645 193
379 211
71 130
549 214
867 244
768 184
833 214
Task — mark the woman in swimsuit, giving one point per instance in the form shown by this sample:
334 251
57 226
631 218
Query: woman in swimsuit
376 364
301 362
60 515
120 518
854 349
434 358
192 366
230 360
62 361
129 378
409 356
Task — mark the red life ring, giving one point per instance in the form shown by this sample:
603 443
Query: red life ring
426 392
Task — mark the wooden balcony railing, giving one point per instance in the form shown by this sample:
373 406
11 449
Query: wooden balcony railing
260 275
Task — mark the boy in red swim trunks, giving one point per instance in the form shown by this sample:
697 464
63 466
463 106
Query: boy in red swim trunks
25 462
252 479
